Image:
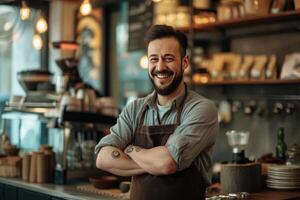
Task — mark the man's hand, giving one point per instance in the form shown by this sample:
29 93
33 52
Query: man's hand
115 161
156 161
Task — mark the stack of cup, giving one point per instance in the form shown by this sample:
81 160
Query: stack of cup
42 163
26 167
33 172
38 167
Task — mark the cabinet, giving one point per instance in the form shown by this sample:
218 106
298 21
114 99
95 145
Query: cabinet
30 195
56 198
1 191
9 192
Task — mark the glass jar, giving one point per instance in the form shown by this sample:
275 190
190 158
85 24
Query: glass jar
293 155
183 17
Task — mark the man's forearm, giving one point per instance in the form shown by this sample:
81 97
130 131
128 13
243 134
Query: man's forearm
156 161
126 172
115 161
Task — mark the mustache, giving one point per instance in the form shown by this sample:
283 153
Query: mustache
155 72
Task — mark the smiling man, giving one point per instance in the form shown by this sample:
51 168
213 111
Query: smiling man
164 140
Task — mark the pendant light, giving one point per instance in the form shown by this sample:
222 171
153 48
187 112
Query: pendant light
144 62
85 7
41 25
24 11
37 42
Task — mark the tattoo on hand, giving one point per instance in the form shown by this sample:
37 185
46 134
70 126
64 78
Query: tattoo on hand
129 149
115 154
137 149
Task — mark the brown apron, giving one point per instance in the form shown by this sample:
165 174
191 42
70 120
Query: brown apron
186 184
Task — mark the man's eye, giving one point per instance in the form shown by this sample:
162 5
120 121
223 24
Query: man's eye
152 60
169 59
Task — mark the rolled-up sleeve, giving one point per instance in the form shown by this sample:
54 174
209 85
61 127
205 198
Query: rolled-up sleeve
197 132
121 133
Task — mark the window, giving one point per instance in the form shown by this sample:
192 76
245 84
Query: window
16 50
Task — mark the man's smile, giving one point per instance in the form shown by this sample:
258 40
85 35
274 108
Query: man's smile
163 75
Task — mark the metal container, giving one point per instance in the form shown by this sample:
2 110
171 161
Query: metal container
31 80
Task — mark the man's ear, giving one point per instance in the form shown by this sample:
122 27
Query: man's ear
185 62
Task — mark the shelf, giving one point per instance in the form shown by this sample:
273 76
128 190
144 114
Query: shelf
251 82
287 15
87 117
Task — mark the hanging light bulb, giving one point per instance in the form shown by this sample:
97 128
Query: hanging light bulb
24 11
37 42
144 62
41 25
85 7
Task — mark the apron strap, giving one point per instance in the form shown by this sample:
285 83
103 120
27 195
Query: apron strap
142 116
179 111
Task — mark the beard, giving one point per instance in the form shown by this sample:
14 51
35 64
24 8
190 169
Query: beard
168 89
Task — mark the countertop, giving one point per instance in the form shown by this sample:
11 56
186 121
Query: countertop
71 193
265 194
61 191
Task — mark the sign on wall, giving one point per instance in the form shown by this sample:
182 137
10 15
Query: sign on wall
140 13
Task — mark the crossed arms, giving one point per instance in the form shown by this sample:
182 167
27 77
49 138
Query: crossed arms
135 160
196 133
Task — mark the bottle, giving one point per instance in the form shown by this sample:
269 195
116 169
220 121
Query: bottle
281 145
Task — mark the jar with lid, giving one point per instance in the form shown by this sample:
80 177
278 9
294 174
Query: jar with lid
293 155
230 9
183 17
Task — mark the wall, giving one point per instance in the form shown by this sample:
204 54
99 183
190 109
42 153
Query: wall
133 80
262 128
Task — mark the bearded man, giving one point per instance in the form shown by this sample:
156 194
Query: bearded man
164 140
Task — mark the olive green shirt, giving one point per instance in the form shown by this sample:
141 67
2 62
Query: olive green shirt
192 140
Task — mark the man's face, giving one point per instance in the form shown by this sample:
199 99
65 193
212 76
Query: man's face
165 65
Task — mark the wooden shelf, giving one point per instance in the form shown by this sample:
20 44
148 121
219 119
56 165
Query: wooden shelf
287 15
251 82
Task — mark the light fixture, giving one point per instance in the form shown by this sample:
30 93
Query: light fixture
144 62
156 1
24 11
41 25
85 7
37 42
7 26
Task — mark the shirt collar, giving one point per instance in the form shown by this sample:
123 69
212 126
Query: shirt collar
151 99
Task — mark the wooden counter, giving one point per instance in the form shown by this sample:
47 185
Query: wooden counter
265 194
276 195
46 191
69 192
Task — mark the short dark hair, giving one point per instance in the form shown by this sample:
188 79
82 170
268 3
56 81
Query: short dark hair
164 31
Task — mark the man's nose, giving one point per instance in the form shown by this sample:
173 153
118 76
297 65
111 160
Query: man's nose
160 65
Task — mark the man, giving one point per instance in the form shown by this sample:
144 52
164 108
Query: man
165 139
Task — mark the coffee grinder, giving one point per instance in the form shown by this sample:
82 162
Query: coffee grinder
238 141
241 175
